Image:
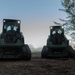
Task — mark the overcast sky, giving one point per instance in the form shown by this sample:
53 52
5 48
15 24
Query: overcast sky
36 16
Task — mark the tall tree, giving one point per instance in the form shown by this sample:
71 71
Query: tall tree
69 8
69 23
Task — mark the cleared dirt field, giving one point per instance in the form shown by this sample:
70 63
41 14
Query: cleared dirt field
38 66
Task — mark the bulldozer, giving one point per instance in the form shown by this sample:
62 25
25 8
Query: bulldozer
12 41
57 44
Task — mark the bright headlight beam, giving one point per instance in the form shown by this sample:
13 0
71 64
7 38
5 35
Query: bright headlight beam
4 21
62 27
51 27
18 21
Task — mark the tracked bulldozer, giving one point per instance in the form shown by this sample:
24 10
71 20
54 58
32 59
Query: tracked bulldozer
12 41
57 44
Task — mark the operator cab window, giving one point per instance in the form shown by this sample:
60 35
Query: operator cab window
10 27
59 31
15 28
53 32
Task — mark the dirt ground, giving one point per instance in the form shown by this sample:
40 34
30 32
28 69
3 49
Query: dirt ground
38 66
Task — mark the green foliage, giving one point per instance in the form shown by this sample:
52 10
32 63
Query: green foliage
65 3
69 6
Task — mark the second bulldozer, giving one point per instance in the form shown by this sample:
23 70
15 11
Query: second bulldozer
57 44
12 41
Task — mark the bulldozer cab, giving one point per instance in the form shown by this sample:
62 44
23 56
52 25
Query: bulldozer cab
56 34
11 25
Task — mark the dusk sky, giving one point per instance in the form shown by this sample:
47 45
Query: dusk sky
36 16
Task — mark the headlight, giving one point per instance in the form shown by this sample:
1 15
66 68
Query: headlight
62 27
4 21
18 22
51 27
